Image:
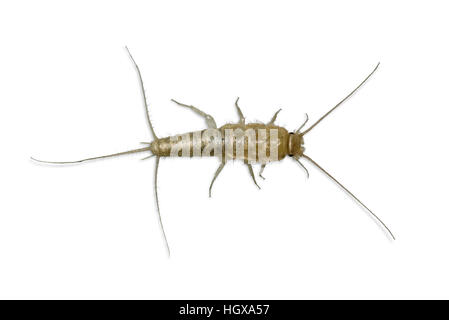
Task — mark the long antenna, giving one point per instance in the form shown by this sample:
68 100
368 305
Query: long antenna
351 194
94 158
338 104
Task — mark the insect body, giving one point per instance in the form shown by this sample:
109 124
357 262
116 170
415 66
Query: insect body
250 142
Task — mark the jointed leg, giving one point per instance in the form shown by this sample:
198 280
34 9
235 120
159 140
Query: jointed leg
262 168
215 177
210 121
274 117
239 111
251 172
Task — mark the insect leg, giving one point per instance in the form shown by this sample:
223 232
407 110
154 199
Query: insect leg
215 177
251 172
262 168
274 117
210 121
239 111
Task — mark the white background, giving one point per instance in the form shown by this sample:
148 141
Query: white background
68 90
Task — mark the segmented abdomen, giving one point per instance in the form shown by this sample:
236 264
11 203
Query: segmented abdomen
253 142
